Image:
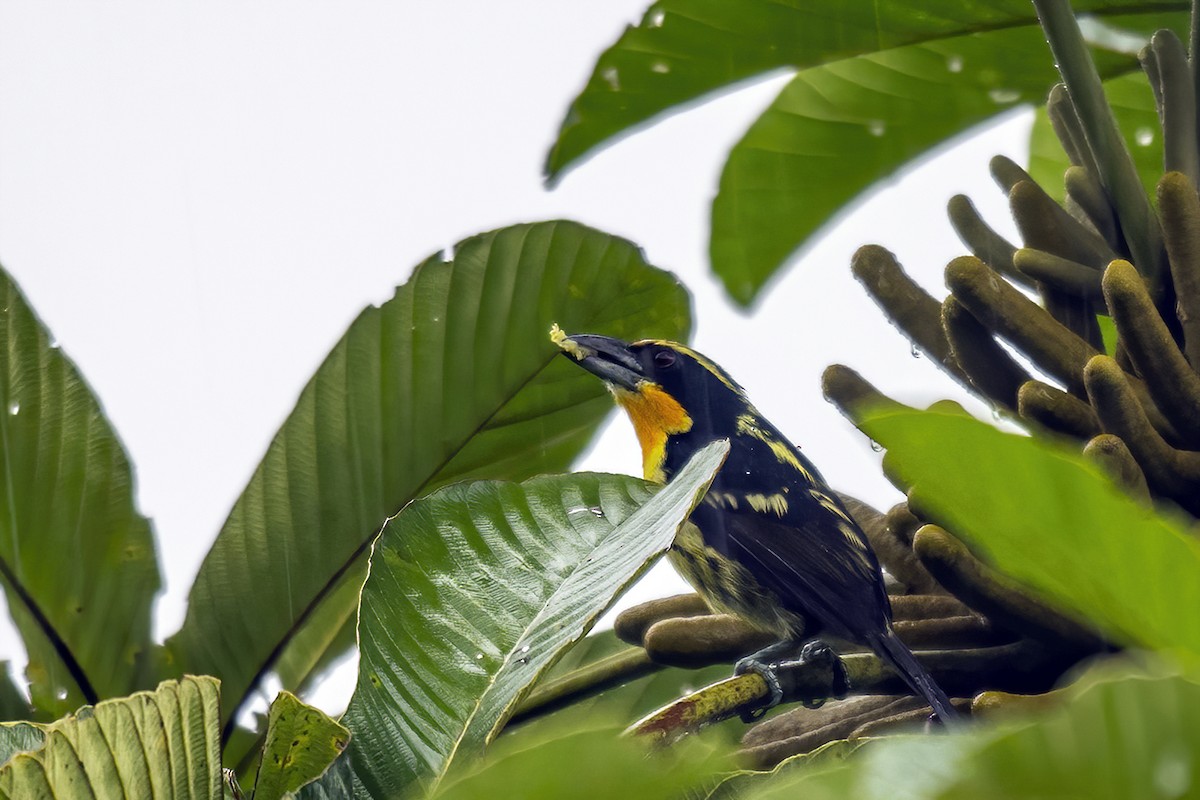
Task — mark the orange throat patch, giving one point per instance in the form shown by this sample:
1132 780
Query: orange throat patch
655 416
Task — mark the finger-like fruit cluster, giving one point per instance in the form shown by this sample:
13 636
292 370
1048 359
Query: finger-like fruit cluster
1133 405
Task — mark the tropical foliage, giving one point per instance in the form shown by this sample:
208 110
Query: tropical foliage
416 503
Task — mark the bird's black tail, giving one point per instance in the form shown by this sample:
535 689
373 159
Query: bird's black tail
888 647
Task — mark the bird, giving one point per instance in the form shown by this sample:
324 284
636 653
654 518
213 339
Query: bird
770 542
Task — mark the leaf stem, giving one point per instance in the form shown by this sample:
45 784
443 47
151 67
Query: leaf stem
587 681
56 641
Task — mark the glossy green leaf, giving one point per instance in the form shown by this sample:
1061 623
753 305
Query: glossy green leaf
814 150
161 744
1132 103
837 129
1045 516
301 743
473 593
684 50
453 378
1118 736
81 556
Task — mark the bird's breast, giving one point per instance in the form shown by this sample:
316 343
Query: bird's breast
728 587
656 416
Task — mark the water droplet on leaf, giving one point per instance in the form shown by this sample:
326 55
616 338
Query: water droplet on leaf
1144 136
1173 772
954 63
1004 96
609 74
877 127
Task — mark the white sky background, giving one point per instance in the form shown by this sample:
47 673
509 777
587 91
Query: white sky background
198 198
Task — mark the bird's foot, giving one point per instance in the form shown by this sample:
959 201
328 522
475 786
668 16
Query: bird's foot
767 672
816 652
768 662
765 663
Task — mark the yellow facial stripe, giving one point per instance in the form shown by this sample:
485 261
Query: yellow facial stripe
655 416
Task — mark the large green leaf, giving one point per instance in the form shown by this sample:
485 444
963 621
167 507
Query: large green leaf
837 129
475 590
161 744
78 560
453 378
819 133
1132 103
1120 736
1042 514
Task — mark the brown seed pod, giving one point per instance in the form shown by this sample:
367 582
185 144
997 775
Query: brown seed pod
996 596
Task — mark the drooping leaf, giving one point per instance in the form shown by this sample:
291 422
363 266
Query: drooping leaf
684 50
473 593
162 744
1132 103
301 743
1119 736
837 129
80 570
1040 513
453 378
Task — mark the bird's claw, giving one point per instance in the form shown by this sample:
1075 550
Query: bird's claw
767 672
814 652
817 652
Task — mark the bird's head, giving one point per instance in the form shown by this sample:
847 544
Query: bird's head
667 389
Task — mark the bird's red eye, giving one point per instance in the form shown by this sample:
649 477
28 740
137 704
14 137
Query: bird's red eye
664 359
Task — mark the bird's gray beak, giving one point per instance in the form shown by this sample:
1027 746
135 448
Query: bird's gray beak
607 358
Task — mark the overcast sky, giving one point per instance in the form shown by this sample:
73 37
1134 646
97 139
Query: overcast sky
198 198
